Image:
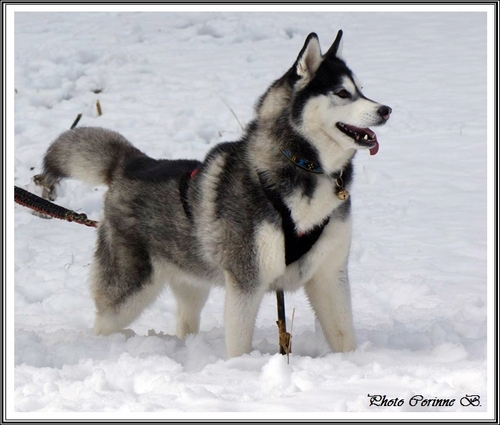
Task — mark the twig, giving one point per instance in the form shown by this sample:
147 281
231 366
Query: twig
99 110
234 115
75 123
289 350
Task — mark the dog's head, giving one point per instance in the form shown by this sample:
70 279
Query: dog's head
327 105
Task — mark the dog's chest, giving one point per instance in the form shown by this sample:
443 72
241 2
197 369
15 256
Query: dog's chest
332 246
308 212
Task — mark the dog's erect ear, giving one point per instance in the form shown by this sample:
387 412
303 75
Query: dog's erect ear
335 51
309 58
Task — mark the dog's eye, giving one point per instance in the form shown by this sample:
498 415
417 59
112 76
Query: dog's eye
343 94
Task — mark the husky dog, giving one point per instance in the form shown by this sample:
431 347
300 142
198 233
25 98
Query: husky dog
270 211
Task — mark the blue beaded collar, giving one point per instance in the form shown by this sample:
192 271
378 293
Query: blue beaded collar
305 164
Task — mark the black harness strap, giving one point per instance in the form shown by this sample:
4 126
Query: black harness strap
295 245
183 189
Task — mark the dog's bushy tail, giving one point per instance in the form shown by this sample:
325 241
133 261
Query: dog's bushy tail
90 154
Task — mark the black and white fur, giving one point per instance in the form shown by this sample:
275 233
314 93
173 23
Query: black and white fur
242 218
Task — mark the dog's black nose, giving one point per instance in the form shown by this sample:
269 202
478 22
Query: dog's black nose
385 112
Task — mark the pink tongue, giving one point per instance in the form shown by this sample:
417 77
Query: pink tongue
374 150
371 133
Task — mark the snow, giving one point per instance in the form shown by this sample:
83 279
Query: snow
171 82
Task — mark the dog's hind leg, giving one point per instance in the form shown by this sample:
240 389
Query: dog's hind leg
190 301
123 281
111 318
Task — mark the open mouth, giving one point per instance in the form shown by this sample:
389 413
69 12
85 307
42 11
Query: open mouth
361 136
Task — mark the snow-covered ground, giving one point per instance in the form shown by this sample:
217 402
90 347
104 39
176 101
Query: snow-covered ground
168 82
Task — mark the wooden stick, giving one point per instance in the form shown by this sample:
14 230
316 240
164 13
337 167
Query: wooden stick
99 110
75 123
284 336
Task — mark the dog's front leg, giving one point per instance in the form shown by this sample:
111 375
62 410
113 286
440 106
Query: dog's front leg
330 297
240 312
